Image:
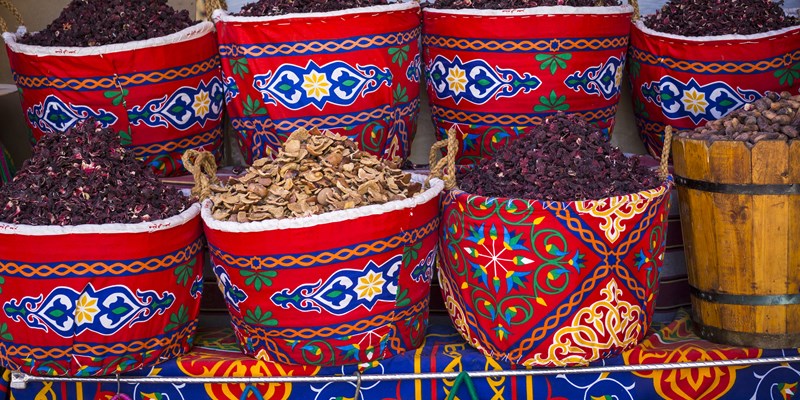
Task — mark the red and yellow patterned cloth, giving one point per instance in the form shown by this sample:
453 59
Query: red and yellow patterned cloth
216 354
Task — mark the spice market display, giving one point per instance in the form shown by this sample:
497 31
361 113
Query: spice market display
231 209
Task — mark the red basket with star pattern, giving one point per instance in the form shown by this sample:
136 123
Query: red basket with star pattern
494 73
685 82
90 300
354 72
163 95
546 283
343 287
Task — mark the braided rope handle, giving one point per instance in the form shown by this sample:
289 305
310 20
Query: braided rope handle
636 13
11 8
210 5
445 168
204 170
663 170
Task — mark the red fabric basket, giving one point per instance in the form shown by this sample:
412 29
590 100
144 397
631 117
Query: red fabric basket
354 72
99 299
339 288
552 283
687 81
163 95
495 73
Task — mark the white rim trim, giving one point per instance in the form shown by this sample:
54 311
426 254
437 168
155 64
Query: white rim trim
763 35
140 227
437 186
554 10
192 32
223 16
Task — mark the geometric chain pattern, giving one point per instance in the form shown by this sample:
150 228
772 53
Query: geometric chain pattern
506 119
289 125
189 142
98 268
362 325
711 67
330 46
327 257
109 82
548 45
11 350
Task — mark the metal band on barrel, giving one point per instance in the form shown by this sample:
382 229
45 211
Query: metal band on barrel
730 188
745 299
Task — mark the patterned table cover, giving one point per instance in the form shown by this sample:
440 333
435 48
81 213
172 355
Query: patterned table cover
216 354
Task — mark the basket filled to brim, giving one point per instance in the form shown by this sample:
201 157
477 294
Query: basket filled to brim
552 282
324 255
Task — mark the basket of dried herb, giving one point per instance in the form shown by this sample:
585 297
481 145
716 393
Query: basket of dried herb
349 66
550 252
100 263
695 61
495 68
324 233
141 68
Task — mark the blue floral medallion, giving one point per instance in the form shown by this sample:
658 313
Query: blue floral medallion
346 289
231 89
694 101
54 115
184 108
105 311
233 295
296 87
476 81
602 80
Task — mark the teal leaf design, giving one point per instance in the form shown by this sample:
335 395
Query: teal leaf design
399 54
400 95
239 66
4 332
117 96
184 271
553 62
787 76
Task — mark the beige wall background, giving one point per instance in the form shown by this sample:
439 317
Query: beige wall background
38 13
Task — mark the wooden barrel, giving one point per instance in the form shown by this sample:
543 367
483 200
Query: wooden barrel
740 211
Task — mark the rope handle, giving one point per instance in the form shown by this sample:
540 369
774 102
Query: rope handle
463 377
663 170
636 14
211 5
11 8
204 170
445 168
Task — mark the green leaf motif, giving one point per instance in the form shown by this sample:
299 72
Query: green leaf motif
399 54
635 69
403 299
553 62
183 271
239 66
2 281
4 332
258 278
400 95
552 103
258 317
177 319
253 107
787 76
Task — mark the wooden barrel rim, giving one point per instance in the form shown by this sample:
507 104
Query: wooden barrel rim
745 339
730 188
745 299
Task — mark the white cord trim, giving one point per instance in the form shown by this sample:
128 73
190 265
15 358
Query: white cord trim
554 10
437 185
223 16
719 38
149 227
192 32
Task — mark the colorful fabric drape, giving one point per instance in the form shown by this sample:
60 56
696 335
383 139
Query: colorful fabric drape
216 354
6 166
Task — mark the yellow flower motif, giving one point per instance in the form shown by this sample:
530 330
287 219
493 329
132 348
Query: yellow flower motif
457 79
201 104
618 77
316 85
370 286
85 309
694 101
